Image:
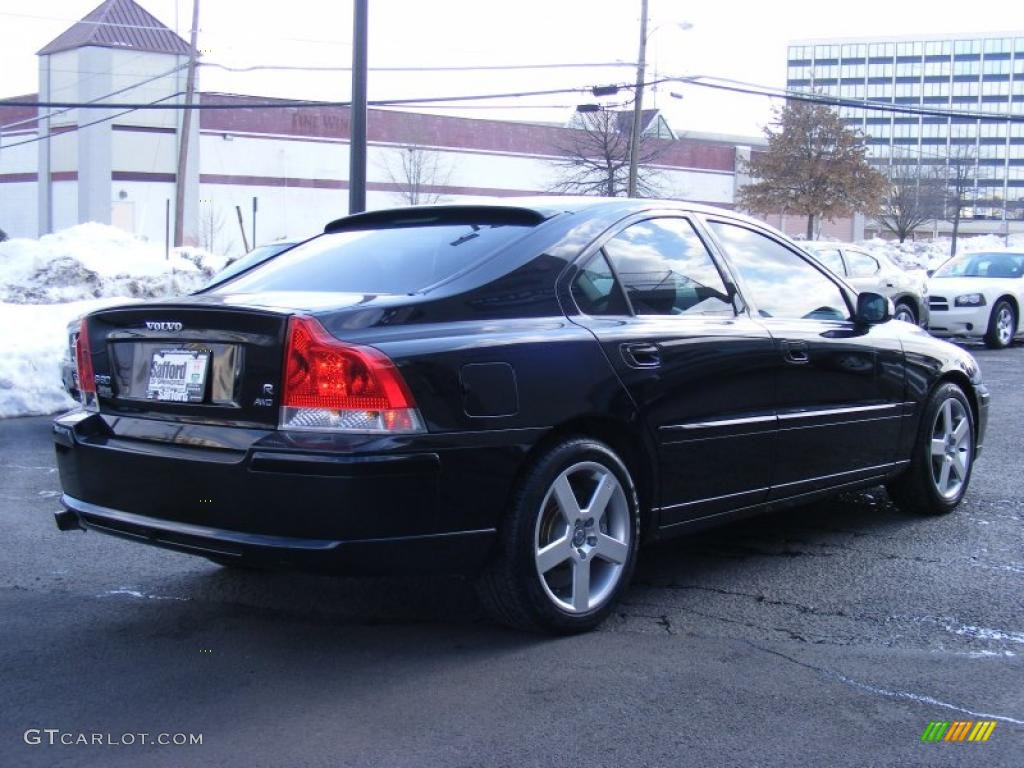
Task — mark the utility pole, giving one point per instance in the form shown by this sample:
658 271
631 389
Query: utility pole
186 131
357 138
638 102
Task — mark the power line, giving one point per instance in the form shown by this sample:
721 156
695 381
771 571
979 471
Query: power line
697 81
876 106
452 68
94 122
139 84
295 104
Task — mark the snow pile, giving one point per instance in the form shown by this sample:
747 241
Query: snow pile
929 254
96 260
47 283
32 345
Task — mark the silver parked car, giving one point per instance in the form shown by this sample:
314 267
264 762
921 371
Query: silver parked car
876 273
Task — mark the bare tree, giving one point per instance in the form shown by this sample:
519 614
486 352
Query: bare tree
961 170
418 173
211 222
594 158
914 196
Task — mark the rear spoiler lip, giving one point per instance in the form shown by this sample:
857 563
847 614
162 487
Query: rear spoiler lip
440 214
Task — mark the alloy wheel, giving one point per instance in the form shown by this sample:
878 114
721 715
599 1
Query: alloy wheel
582 537
951 448
1004 325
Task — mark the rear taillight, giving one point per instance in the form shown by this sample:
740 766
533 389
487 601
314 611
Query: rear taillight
333 386
83 361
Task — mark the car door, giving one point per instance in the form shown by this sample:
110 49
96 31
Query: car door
864 273
839 387
698 370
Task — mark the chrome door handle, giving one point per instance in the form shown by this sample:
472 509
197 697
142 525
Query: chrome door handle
641 355
795 352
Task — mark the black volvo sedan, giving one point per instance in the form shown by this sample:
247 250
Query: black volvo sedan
523 391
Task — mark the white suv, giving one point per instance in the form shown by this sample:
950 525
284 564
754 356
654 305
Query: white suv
876 273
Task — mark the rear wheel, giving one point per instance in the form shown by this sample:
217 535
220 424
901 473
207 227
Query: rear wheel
905 312
568 544
1002 325
942 458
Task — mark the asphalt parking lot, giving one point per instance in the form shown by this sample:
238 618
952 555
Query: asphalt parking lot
829 635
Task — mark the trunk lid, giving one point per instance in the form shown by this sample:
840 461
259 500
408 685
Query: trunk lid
190 361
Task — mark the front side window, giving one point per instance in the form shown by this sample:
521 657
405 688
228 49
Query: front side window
861 265
667 270
779 281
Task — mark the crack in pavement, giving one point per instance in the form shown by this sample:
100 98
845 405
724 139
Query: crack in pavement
907 695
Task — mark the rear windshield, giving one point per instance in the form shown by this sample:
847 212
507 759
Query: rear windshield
391 260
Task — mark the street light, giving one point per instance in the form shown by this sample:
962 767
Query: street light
638 95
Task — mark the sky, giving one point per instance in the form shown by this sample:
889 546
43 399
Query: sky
735 39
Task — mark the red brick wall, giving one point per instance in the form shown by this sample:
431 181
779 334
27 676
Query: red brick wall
391 127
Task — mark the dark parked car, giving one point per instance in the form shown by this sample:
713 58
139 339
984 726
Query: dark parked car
523 391
258 255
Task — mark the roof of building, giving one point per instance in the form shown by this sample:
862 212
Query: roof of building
119 24
624 120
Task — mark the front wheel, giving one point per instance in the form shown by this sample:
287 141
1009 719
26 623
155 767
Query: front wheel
568 544
942 458
1002 325
905 312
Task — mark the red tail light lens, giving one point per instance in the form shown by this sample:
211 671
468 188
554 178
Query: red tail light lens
83 361
334 386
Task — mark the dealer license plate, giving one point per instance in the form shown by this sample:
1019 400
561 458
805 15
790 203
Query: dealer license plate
178 376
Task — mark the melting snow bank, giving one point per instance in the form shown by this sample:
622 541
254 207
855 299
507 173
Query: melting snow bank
92 260
929 254
46 283
33 338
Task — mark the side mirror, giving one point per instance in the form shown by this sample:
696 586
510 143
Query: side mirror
872 309
930 272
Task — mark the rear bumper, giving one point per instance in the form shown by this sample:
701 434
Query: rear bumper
457 552
349 504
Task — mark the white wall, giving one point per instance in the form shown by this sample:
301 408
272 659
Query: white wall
18 209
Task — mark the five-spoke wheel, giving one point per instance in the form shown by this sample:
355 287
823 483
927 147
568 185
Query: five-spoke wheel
951 447
568 544
582 537
1002 325
942 457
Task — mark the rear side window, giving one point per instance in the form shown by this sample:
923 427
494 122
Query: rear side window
861 265
387 260
596 291
666 269
830 258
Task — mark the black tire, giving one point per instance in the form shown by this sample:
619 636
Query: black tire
918 489
906 308
996 337
512 589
